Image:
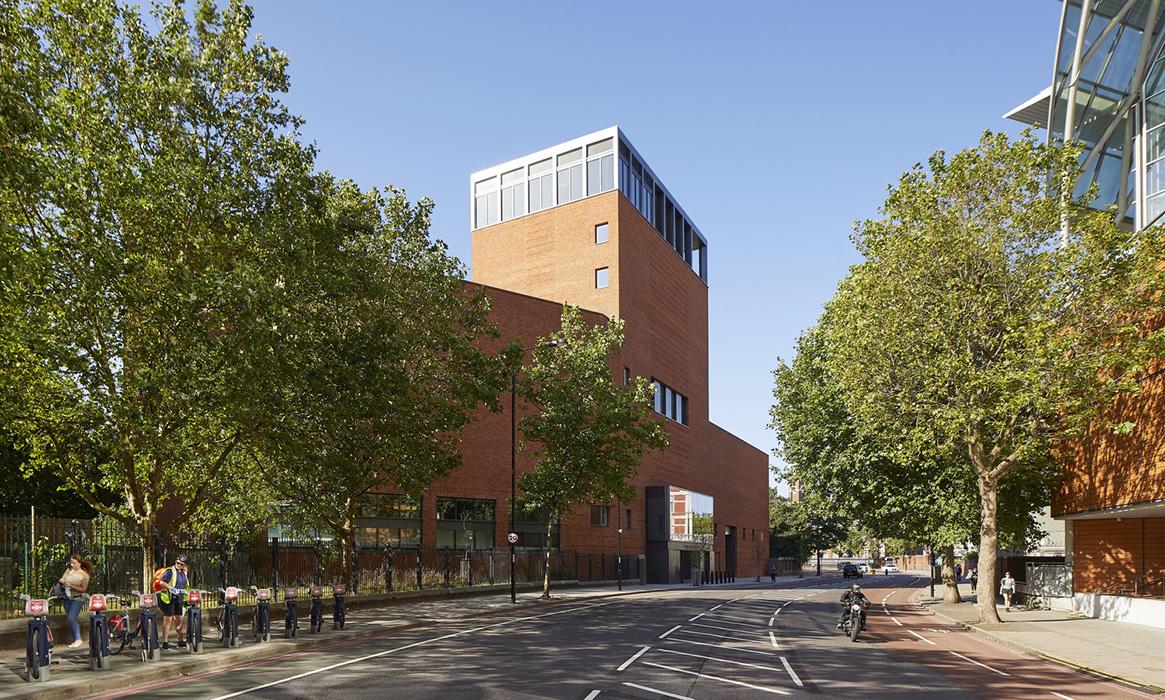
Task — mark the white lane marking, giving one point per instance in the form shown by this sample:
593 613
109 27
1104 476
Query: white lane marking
623 666
922 638
731 618
673 629
717 646
773 639
406 647
717 658
1060 695
719 627
774 691
885 609
772 621
592 695
886 596
896 621
697 617
657 692
965 658
792 673
716 608
717 636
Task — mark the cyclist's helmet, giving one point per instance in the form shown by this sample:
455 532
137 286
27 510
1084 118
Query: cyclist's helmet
857 588
182 560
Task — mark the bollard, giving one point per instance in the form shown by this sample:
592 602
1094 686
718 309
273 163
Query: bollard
339 612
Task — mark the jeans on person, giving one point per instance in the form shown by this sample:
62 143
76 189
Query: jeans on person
73 609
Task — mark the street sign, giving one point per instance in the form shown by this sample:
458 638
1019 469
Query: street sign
512 538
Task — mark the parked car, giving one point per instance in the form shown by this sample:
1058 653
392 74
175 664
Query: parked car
867 567
849 570
888 569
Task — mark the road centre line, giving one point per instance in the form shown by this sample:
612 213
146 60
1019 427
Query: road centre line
896 621
592 695
792 673
697 617
922 638
717 646
965 658
673 629
774 691
405 647
773 639
717 658
717 636
636 655
657 692
772 621
716 608
1060 695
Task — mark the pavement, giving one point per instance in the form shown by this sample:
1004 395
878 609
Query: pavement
70 674
1128 653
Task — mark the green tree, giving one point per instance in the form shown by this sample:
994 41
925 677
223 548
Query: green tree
971 333
590 432
788 532
927 495
382 357
143 172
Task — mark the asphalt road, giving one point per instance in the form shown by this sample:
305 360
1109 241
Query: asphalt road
744 642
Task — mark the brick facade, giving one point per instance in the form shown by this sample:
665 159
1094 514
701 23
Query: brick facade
1113 552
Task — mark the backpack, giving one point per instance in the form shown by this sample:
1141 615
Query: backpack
158 578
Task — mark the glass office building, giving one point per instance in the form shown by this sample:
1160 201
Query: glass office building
1108 93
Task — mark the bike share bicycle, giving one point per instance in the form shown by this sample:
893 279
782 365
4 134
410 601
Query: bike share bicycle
339 609
146 628
39 651
194 620
291 617
317 610
228 617
261 623
99 656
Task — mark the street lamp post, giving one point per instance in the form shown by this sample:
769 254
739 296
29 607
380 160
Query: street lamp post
619 542
514 468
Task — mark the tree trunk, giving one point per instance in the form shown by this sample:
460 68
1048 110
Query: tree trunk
988 548
950 583
348 561
146 533
546 569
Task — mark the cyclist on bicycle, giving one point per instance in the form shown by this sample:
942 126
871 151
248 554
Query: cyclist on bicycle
174 583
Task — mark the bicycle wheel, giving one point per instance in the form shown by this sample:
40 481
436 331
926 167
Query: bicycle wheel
32 661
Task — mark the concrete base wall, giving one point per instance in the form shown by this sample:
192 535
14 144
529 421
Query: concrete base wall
1141 611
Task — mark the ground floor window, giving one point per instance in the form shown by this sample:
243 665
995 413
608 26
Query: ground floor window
466 523
388 520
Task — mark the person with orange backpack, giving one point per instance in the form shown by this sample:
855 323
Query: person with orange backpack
171 584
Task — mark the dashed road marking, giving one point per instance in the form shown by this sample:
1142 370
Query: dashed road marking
774 691
592 695
792 673
994 670
623 666
657 692
717 646
773 639
896 621
665 634
697 617
717 636
1060 695
717 658
719 627
716 608
772 621
922 638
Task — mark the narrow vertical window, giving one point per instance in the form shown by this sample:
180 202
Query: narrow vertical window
601 234
485 201
602 278
600 164
626 376
570 176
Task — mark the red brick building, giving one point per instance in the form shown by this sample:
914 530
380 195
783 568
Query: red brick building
587 222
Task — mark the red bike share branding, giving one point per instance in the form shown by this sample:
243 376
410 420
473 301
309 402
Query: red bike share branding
263 594
195 596
148 600
232 593
317 591
340 589
36 606
97 602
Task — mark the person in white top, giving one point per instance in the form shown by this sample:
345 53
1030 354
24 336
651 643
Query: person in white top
1007 588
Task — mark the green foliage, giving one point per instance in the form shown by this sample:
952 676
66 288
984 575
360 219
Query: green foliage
802 528
976 335
590 432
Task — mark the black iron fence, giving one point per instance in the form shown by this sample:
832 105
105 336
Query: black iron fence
33 555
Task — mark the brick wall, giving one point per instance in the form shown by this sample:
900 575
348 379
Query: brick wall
1113 552
1105 470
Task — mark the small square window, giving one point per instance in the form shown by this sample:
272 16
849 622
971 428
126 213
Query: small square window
602 278
601 234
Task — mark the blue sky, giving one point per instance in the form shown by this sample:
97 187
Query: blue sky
776 125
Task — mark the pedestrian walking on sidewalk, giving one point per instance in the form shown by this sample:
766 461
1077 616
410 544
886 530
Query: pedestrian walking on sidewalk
974 579
76 581
773 571
1007 589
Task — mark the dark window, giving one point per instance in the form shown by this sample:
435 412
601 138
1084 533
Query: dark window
388 520
670 403
627 526
600 516
626 376
465 523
